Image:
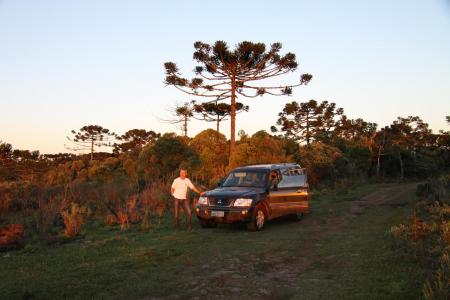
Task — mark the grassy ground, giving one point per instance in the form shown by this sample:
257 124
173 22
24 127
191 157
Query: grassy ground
339 251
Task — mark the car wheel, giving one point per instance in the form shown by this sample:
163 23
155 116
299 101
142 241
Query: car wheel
207 223
258 220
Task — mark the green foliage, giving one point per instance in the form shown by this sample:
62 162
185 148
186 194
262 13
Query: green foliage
354 162
134 140
212 149
90 137
308 121
217 112
261 147
426 235
319 160
6 171
165 157
227 74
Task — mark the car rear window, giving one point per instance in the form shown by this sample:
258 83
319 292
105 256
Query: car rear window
293 177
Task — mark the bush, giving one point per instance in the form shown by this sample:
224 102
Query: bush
319 160
11 237
427 236
74 218
260 148
435 189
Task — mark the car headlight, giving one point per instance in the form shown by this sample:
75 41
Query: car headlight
243 202
202 200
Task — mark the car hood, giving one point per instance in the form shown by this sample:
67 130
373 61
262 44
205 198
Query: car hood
234 192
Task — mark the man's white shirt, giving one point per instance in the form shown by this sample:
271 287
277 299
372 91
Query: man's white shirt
180 187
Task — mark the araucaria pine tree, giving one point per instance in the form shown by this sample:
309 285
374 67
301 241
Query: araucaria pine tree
224 74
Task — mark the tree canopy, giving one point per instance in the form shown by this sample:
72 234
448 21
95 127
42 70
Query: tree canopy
308 121
225 74
217 112
91 136
135 139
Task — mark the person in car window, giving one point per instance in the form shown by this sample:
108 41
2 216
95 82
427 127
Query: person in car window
179 191
274 178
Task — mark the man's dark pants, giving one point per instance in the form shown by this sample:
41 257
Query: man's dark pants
185 204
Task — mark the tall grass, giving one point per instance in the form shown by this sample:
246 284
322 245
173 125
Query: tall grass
427 236
74 218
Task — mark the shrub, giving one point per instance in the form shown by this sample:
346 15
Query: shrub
74 218
319 160
111 219
427 236
11 237
132 209
122 217
153 198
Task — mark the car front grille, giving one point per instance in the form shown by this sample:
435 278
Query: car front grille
213 201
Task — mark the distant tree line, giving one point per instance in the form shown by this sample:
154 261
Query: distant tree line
317 135
130 183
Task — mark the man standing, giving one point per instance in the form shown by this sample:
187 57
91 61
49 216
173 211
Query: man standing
179 191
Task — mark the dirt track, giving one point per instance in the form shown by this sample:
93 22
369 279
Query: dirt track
274 274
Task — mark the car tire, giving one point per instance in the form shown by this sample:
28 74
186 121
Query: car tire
207 223
258 219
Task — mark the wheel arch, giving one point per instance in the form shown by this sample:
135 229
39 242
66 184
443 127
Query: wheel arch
263 202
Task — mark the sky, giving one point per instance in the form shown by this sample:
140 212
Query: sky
66 64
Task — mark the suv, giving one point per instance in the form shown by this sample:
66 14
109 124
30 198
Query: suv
254 194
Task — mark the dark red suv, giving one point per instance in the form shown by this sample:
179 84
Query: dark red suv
254 194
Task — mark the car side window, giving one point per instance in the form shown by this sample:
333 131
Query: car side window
292 177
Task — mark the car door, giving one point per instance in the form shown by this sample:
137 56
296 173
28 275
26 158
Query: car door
275 196
295 189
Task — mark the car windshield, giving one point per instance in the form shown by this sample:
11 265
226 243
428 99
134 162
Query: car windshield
246 179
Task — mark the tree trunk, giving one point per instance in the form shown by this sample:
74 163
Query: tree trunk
400 160
185 126
233 116
378 162
307 129
380 150
218 123
92 149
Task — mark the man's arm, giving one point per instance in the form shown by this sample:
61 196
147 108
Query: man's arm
172 187
197 190
192 187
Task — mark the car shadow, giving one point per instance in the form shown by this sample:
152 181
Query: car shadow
284 221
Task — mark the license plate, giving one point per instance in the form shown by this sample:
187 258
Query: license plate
217 213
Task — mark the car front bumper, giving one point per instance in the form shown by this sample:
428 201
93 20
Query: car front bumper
230 214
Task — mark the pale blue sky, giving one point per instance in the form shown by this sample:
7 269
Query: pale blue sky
65 64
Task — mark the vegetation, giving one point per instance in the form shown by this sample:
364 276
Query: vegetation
43 186
426 236
103 217
225 74
90 137
309 121
332 253
217 112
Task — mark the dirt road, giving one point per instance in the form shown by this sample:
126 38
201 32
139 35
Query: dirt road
290 257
